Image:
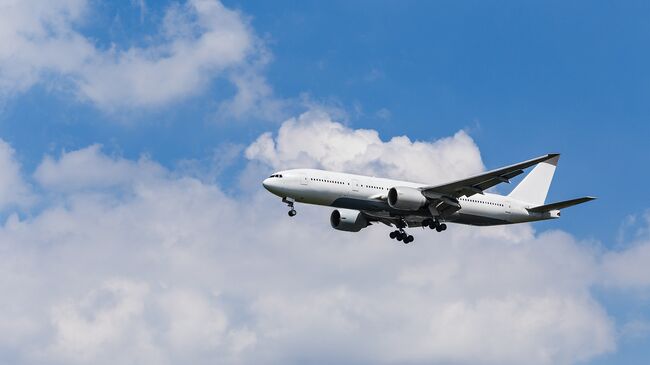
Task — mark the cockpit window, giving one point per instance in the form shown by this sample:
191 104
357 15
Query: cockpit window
276 175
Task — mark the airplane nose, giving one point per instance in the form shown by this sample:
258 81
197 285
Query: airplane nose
267 183
272 185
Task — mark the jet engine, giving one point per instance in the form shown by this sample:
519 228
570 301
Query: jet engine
348 220
405 198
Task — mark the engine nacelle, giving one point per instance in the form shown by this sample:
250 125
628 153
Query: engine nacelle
348 220
405 198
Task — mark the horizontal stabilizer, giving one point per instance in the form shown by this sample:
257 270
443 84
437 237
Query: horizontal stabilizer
560 205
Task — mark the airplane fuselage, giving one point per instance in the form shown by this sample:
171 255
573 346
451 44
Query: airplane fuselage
368 194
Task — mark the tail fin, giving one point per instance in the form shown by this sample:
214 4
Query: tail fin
534 187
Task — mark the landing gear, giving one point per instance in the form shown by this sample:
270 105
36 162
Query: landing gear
289 201
400 235
434 224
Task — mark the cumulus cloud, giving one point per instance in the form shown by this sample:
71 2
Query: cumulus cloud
178 271
198 41
315 140
100 322
13 189
254 98
628 268
89 168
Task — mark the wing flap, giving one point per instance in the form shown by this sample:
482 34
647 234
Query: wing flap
560 205
409 220
443 207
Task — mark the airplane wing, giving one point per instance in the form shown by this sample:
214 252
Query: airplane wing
410 220
478 183
445 197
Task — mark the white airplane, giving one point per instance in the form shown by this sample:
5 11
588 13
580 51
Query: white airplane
362 200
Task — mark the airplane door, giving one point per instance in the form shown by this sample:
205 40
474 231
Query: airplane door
354 185
507 206
304 180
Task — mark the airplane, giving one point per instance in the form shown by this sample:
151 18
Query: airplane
361 201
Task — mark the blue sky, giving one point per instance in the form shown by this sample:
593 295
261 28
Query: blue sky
523 79
520 78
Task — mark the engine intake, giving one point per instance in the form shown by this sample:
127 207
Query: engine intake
348 220
405 198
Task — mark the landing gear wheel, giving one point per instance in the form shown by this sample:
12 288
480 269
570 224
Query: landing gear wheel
433 224
289 202
408 239
399 237
438 229
393 234
443 227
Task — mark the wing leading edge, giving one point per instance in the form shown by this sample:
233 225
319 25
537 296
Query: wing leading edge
478 183
444 197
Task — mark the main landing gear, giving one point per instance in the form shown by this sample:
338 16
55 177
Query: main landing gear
400 235
289 201
434 224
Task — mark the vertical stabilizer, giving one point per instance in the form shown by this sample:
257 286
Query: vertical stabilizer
534 187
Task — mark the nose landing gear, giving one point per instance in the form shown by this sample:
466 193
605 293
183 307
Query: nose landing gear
289 201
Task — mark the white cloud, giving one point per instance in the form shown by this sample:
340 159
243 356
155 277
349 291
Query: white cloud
177 271
29 30
254 98
89 168
103 321
198 42
628 268
13 189
534 327
315 140
195 324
